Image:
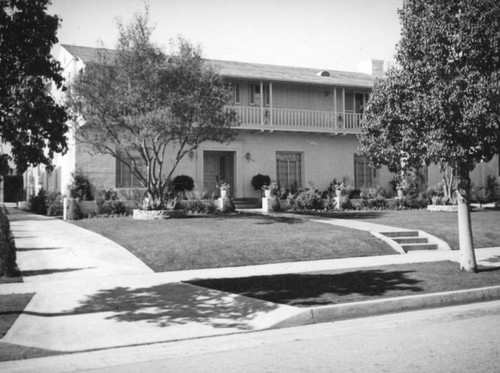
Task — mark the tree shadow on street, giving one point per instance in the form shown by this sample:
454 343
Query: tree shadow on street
304 290
175 304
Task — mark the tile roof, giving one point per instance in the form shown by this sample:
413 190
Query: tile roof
255 71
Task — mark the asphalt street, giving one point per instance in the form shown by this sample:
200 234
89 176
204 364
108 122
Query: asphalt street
451 339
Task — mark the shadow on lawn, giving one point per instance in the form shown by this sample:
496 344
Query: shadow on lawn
305 290
175 304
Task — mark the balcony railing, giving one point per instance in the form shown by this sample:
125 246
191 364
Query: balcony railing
252 117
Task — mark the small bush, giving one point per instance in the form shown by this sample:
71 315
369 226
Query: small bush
38 203
275 204
183 183
228 205
8 265
346 204
74 212
258 181
306 199
54 204
80 188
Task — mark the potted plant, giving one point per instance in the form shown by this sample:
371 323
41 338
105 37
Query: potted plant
339 189
267 191
402 188
224 189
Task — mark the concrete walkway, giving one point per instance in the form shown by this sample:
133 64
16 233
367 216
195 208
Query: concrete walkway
93 294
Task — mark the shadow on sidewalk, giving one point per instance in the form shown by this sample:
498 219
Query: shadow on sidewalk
173 304
39 272
38 248
305 290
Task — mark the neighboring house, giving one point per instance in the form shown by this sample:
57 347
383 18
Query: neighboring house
298 125
11 185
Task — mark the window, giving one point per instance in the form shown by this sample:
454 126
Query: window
236 93
289 169
124 177
365 175
256 94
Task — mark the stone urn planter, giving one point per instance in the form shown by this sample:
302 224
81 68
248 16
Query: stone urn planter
267 193
338 193
223 193
400 193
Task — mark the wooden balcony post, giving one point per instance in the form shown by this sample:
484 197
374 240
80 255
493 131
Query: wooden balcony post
261 103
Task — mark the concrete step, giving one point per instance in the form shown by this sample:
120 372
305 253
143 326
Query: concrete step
419 246
402 240
247 203
401 234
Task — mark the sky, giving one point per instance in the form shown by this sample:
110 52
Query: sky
325 34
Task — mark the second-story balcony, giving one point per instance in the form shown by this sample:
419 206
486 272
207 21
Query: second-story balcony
275 119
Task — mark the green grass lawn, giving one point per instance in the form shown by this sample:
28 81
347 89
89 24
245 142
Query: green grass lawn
235 240
485 223
355 285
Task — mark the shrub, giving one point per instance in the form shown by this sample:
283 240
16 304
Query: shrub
80 188
228 205
275 204
8 265
182 183
306 199
74 212
258 181
346 204
38 203
54 204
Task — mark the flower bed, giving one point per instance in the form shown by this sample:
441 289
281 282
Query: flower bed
150 215
442 208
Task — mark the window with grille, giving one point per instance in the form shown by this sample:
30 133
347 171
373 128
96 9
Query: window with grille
289 169
125 178
365 175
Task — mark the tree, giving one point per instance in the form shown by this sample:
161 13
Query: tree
30 120
440 103
139 104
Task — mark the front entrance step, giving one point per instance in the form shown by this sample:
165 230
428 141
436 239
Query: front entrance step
246 203
402 240
419 246
400 234
410 240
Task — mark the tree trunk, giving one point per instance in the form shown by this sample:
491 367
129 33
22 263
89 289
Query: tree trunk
467 255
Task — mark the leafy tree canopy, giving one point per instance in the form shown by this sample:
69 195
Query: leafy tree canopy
441 101
30 120
138 102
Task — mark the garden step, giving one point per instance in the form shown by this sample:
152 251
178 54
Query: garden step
419 246
246 203
402 240
401 234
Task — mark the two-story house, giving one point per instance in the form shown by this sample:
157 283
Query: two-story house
298 125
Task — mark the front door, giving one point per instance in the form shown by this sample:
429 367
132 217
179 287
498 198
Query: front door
218 167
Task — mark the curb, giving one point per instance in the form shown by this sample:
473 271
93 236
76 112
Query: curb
346 311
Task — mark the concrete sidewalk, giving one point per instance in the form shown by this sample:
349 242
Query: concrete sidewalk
93 294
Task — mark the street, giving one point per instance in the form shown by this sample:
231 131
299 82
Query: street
454 339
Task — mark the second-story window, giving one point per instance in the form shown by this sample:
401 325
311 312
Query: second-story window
236 93
255 96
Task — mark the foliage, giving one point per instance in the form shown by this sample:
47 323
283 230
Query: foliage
275 204
54 204
30 119
306 199
440 103
8 265
80 188
38 202
223 186
182 183
148 109
74 212
228 205
259 181
196 206
109 203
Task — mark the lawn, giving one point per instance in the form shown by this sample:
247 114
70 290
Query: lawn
235 240
355 285
485 223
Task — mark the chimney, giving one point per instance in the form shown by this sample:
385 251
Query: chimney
372 67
